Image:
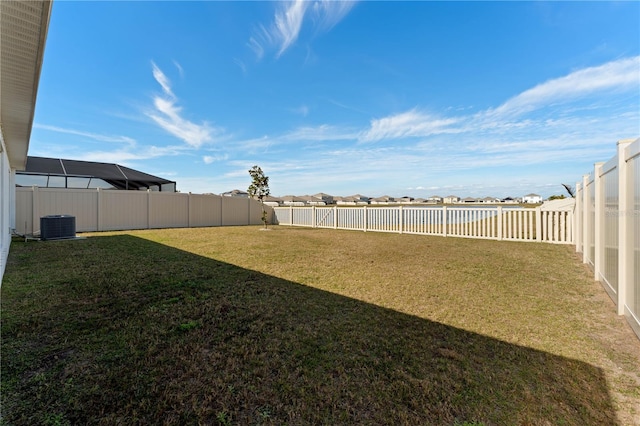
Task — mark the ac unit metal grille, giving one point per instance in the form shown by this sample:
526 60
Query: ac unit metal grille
57 227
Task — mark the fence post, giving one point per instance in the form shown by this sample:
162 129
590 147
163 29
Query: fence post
585 219
221 207
148 209
400 219
335 217
577 218
625 225
499 223
189 209
313 216
598 235
35 218
539 236
291 214
444 221
364 208
99 213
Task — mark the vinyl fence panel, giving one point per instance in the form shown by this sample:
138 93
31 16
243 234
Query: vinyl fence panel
205 210
609 238
120 210
80 203
113 210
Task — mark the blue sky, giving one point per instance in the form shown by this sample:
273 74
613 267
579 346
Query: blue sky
371 97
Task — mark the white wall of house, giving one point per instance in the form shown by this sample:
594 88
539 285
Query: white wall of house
24 31
7 210
7 205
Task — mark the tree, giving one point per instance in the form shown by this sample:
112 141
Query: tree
570 190
557 197
259 189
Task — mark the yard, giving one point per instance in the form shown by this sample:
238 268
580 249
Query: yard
237 326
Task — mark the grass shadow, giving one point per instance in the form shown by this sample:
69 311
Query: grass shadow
122 330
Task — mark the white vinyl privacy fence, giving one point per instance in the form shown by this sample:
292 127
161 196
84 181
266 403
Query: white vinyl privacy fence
608 227
497 222
111 210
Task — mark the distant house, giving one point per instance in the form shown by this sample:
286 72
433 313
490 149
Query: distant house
490 200
361 199
405 200
328 199
235 193
469 200
312 200
509 200
272 201
532 199
346 201
292 200
385 199
451 199
435 199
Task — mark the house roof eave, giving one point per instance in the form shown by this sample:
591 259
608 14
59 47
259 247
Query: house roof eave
23 26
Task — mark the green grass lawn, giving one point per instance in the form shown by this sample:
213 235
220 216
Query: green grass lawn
308 326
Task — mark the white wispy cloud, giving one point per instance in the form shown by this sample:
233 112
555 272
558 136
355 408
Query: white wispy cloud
345 106
411 123
210 159
613 76
302 110
289 19
241 64
329 12
180 69
260 144
324 132
123 156
308 135
89 135
567 103
169 116
127 149
256 46
162 80
288 22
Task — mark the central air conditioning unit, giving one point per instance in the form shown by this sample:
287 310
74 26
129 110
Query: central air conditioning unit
56 227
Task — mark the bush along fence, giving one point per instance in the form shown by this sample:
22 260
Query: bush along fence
496 222
608 227
111 210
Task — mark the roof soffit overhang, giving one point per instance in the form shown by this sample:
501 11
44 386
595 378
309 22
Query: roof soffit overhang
23 32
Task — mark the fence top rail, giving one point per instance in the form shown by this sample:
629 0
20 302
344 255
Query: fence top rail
609 166
115 191
474 207
633 150
41 189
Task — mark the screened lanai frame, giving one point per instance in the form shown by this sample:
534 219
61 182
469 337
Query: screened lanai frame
60 173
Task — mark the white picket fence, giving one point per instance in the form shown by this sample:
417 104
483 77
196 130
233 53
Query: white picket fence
496 223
